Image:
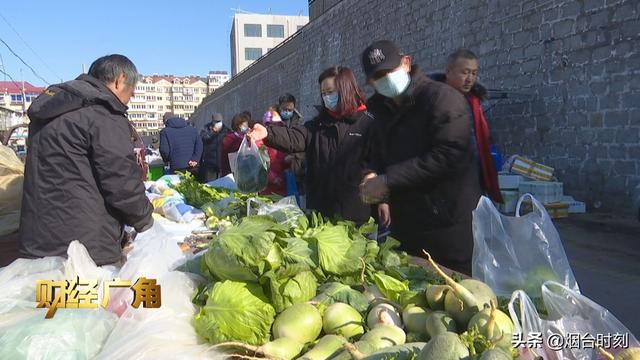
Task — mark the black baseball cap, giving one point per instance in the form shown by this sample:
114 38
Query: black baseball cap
381 55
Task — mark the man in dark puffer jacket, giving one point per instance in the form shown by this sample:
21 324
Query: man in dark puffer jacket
82 181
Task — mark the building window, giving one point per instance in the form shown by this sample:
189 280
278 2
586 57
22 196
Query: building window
16 98
252 53
252 30
275 31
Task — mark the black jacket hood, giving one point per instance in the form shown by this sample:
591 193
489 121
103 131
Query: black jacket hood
478 89
73 95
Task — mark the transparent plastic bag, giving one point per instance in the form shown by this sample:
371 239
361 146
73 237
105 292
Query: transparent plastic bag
70 334
518 253
155 252
570 315
225 182
252 167
285 211
162 333
18 283
11 180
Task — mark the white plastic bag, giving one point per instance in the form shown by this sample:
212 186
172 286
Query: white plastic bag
570 316
162 333
225 182
70 334
155 252
18 283
252 167
518 253
25 333
285 211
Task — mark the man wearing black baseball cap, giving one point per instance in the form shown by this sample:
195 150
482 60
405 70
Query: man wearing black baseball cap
422 158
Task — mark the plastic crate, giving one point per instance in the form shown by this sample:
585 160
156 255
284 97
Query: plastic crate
544 191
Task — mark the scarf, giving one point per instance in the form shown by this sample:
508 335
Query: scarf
489 174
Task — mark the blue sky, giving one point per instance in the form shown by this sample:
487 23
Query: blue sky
165 37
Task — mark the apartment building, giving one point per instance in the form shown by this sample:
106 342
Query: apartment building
253 35
17 96
155 95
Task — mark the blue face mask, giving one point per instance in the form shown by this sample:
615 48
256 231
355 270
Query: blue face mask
286 115
243 130
393 84
331 101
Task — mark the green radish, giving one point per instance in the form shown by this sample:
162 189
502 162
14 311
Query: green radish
415 337
415 319
279 349
446 346
435 295
399 352
301 322
496 354
327 347
359 348
439 322
536 277
384 335
342 319
495 325
466 298
626 354
383 313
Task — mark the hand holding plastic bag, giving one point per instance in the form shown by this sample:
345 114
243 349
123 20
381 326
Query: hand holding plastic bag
518 253
252 167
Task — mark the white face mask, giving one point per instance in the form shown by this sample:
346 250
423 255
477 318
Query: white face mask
393 84
217 126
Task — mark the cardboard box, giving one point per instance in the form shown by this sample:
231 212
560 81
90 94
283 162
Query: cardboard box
556 210
575 207
509 181
546 192
531 169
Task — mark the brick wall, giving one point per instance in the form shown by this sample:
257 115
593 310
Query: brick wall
573 68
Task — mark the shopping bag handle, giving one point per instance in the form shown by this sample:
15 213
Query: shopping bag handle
535 204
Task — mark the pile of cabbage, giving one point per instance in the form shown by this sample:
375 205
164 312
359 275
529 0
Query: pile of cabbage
315 289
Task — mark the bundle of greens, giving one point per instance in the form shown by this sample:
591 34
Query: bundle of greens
217 203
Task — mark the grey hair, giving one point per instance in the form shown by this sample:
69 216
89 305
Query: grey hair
109 67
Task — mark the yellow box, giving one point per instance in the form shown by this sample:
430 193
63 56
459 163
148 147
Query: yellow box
531 169
558 210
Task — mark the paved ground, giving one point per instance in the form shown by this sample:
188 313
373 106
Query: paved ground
604 252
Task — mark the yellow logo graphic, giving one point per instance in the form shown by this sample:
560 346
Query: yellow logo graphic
81 294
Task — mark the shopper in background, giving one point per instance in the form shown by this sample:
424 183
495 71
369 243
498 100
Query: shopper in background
232 141
180 145
462 75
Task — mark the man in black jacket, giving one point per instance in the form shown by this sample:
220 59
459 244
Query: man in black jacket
81 180
212 136
423 159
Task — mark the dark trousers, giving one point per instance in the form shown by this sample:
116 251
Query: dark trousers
208 174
